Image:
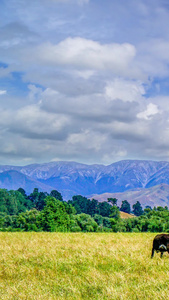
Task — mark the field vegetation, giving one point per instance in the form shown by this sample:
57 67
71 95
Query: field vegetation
52 265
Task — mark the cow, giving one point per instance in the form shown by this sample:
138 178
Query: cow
160 244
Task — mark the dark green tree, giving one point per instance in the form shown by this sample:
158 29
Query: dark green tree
22 191
137 209
125 207
33 197
113 201
56 194
104 209
80 203
92 207
40 202
38 198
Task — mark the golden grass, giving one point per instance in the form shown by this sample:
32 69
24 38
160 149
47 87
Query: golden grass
81 266
125 215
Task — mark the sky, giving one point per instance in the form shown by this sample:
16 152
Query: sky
84 81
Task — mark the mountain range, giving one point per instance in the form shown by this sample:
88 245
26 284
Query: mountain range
127 179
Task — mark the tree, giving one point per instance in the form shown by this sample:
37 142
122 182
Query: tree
12 202
86 223
56 194
125 207
33 197
112 200
92 207
80 203
27 221
70 209
54 216
147 209
38 198
115 213
104 209
40 202
137 209
22 191
104 223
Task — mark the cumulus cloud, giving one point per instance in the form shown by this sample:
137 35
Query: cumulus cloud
89 92
151 110
34 123
82 53
93 108
81 125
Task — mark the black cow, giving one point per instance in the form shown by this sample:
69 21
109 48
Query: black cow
160 244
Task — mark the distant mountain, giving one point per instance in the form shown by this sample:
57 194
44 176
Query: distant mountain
71 178
154 196
12 180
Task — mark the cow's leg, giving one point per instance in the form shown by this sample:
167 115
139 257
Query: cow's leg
161 254
152 254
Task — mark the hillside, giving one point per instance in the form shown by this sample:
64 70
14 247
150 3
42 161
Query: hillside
125 215
154 196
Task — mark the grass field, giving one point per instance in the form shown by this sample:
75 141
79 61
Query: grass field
81 266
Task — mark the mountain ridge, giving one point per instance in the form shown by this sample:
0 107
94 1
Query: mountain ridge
72 178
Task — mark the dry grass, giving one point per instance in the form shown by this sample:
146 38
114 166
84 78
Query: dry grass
81 266
125 215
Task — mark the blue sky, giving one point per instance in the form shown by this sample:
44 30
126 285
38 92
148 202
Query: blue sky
84 80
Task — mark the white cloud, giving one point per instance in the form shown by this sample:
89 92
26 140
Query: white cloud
86 78
85 74
89 139
125 90
2 92
151 110
82 53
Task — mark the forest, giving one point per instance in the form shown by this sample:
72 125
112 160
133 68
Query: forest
40 211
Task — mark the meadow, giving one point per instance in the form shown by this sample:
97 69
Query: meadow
81 266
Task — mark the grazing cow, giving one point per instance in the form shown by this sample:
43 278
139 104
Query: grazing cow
160 244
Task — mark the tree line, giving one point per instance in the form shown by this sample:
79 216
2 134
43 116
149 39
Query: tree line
41 211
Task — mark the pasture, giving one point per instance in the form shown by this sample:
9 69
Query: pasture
81 266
